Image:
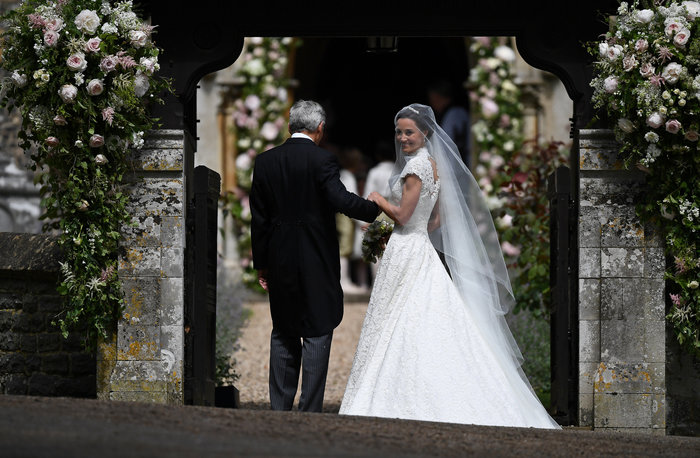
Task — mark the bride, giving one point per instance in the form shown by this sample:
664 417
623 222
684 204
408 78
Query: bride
434 344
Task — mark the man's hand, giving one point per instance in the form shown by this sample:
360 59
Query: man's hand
262 279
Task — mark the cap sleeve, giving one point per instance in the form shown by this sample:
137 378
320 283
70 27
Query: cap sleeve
419 166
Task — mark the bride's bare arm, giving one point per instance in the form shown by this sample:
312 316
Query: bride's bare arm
409 200
434 222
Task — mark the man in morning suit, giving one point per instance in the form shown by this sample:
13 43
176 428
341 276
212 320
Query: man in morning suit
295 195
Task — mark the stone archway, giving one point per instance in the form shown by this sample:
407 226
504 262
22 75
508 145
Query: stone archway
202 37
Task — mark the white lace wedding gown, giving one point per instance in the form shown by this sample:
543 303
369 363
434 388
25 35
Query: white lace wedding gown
419 355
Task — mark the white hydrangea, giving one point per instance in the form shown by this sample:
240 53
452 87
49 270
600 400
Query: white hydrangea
651 137
108 27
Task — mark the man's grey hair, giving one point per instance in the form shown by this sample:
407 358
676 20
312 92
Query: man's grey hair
305 115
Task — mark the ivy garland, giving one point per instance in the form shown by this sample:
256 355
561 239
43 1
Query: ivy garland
82 77
648 81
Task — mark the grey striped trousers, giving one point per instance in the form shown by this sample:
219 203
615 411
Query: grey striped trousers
289 355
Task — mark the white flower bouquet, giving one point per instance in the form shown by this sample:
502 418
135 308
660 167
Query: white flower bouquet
82 75
375 239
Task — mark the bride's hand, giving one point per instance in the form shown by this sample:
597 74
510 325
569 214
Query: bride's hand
375 197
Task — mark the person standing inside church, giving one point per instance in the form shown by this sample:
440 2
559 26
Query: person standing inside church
295 195
451 116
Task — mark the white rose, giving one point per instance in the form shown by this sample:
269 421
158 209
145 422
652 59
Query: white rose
59 120
614 52
68 93
150 64
682 37
101 159
673 24
693 9
672 72
269 131
77 62
50 38
629 63
141 84
641 45
655 120
93 44
108 63
504 53
19 79
644 16
625 125
243 162
610 84
95 87
96 141
646 70
55 24
693 284
87 21
138 38
603 48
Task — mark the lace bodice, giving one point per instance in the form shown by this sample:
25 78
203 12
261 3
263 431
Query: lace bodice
420 166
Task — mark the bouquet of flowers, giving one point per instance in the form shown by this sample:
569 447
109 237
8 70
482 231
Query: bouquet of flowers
375 239
648 81
82 77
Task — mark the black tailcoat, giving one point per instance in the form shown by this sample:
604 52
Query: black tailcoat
295 196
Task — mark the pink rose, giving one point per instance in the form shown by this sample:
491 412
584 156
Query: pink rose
101 159
673 126
50 38
93 45
610 84
51 141
646 70
59 120
641 45
96 141
76 62
672 26
95 87
629 63
655 120
68 92
509 249
682 37
109 63
55 24
692 135
488 107
614 52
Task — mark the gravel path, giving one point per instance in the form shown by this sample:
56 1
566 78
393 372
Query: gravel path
252 360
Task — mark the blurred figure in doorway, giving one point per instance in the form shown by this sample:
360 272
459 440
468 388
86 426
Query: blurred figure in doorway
451 116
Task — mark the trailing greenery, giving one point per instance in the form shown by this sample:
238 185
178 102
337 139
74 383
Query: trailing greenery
648 81
82 77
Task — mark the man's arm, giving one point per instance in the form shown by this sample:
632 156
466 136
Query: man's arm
343 201
260 225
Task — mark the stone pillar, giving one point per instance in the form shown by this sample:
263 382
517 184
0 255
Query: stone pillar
621 297
143 361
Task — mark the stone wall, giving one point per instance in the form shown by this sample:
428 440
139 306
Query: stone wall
622 348
34 358
143 361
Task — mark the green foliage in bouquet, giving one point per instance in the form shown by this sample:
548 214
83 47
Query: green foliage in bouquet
648 81
82 77
375 239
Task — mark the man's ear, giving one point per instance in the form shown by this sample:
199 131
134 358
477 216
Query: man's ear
321 127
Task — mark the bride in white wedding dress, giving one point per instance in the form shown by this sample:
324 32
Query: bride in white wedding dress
434 345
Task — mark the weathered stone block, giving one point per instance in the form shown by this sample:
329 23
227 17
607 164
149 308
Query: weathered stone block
138 343
589 226
9 341
654 262
585 409
13 384
614 192
155 397
167 158
12 363
172 343
172 299
141 261
589 263
142 298
143 231
56 363
622 262
50 304
622 341
30 322
589 341
173 261
7 319
629 378
49 342
83 364
173 231
655 342
589 299
587 372
42 385
156 197
600 157
147 371
622 229
28 343
612 299
658 411
622 410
